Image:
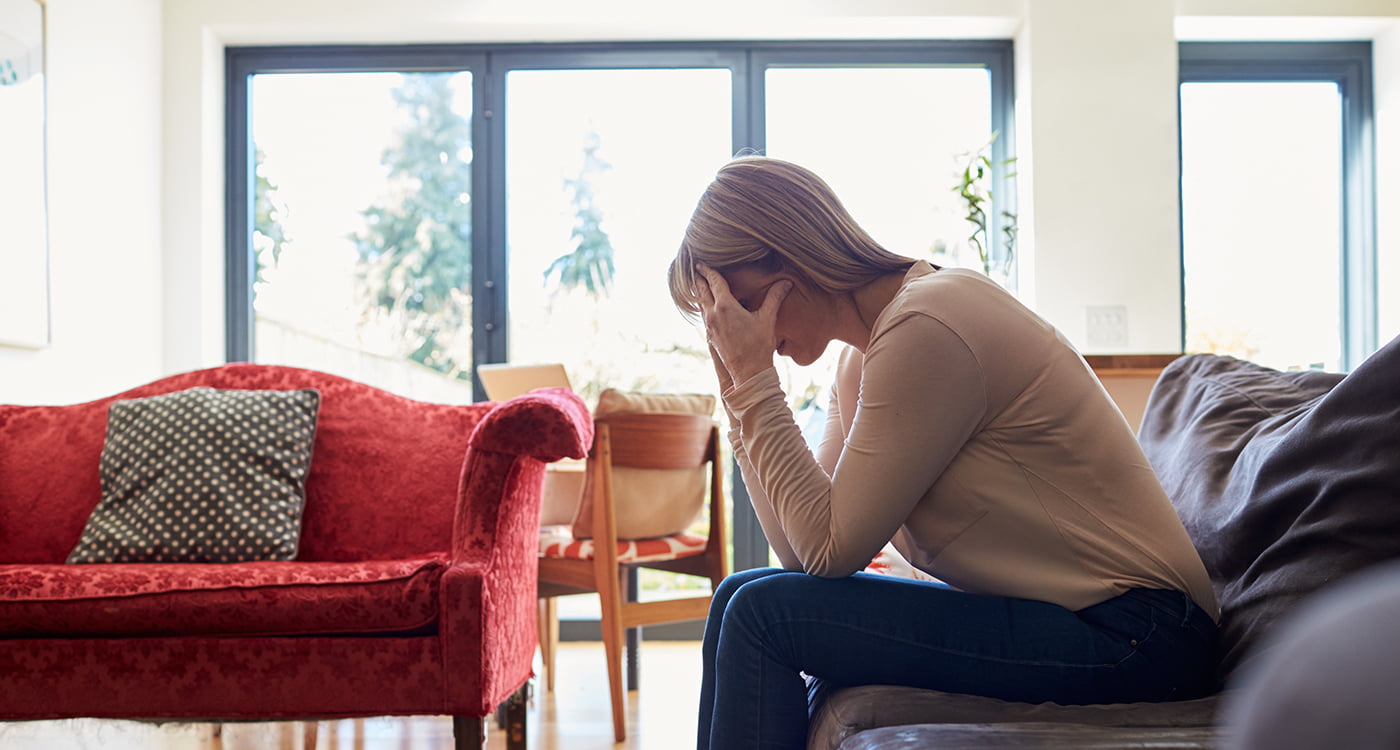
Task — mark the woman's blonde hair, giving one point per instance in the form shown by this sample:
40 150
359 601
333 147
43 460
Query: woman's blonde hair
776 216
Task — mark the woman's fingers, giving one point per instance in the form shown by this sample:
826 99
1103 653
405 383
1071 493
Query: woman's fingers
713 287
712 277
773 299
741 339
707 297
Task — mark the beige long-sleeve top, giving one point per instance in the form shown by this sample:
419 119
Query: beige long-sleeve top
974 437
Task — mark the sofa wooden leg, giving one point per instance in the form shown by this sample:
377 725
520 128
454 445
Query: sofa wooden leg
516 708
468 733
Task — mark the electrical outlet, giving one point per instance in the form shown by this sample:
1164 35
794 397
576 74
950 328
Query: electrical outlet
1107 325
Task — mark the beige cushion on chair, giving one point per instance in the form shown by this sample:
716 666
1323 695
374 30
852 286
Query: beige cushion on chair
563 489
637 492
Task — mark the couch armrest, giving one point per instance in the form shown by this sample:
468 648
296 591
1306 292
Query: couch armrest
548 424
503 474
488 595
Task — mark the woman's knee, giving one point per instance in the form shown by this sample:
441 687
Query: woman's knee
759 597
731 584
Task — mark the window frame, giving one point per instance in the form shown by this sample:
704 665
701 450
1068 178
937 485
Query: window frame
1348 65
490 64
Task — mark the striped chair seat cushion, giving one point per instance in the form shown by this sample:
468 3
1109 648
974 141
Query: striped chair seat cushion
557 541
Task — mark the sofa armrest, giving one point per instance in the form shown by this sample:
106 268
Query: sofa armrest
503 474
488 594
548 424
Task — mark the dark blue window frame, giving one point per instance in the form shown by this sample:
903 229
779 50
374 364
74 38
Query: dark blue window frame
1348 65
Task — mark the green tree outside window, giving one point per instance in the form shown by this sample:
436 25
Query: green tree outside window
415 247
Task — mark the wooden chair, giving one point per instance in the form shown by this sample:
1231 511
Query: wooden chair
601 564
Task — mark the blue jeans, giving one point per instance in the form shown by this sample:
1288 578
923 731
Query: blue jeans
768 628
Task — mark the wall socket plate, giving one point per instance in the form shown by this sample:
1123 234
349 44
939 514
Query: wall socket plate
1106 325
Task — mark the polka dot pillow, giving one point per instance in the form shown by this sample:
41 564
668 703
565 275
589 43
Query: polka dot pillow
203 476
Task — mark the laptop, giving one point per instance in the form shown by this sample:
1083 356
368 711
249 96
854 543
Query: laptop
506 381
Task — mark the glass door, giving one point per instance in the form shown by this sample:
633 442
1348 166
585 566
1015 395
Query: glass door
362 232
603 168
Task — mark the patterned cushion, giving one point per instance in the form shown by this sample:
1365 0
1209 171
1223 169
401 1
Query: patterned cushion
202 475
556 541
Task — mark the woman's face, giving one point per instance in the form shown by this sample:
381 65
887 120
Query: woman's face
804 319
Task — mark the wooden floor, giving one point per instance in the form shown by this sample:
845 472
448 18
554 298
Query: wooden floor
661 716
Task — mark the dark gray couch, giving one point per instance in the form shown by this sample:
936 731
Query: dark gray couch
1287 482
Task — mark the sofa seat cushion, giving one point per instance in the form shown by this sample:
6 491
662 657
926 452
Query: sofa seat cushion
1031 737
843 712
187 599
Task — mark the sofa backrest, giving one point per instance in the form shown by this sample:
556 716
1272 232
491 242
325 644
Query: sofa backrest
1286 481
383 482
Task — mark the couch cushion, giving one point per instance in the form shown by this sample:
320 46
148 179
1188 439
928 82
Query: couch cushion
202 475
1286 481
843 712
254 598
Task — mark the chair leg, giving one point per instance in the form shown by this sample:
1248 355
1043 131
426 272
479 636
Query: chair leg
548 625
309 730
634 635
610 594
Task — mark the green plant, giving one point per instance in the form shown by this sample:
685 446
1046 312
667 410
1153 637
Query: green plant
974 187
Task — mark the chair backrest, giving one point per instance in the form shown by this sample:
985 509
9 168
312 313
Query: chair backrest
657 441
629 445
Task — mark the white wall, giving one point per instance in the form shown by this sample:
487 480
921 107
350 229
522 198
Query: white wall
1096 131
1097 163
105 223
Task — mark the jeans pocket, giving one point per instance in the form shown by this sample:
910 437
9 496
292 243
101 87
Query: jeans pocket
1175 661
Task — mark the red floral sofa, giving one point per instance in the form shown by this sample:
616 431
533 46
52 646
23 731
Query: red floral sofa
412 592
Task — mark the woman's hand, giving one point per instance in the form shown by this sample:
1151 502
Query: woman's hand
741 341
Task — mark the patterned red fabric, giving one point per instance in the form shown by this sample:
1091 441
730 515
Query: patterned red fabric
214 678
285 598
430 506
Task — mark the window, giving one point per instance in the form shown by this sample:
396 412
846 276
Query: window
399 214
1277 201
362 237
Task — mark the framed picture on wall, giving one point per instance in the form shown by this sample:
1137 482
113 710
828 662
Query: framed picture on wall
24 252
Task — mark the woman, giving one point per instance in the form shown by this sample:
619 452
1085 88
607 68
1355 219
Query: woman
963 429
